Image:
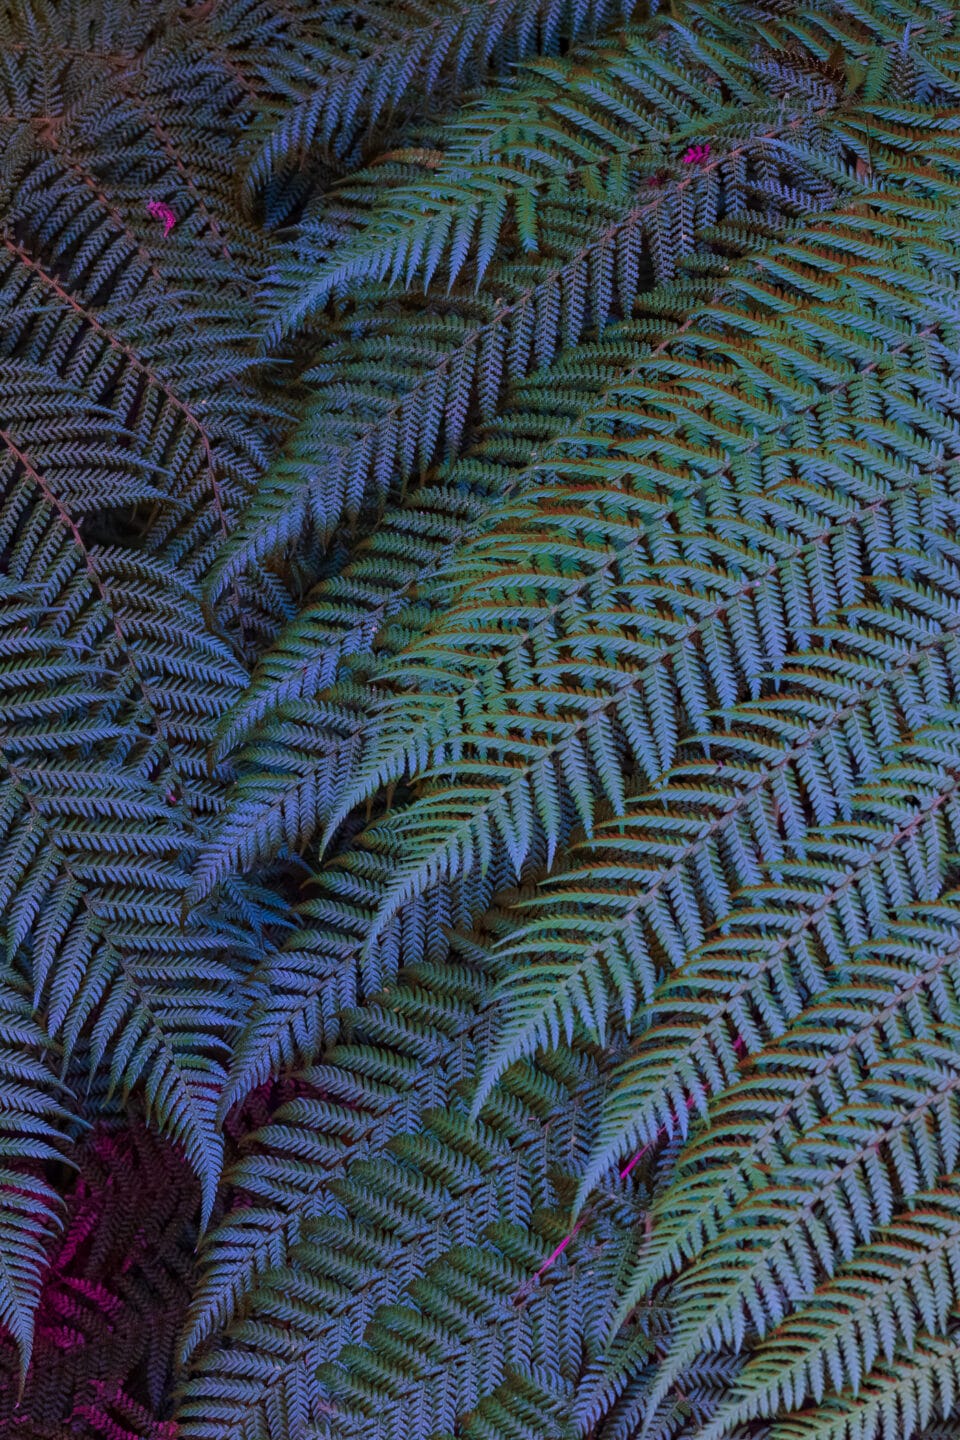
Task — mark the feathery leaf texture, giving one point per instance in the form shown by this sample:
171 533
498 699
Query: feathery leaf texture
480 720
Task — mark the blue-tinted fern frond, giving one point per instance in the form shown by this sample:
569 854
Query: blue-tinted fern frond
345 86
838 1185
414 372
33 1122
555 754
782 940
107 786
876 1308
383 599
648 887
444 1204
154 325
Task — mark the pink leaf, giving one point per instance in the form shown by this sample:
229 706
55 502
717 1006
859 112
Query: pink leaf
697 154
158 211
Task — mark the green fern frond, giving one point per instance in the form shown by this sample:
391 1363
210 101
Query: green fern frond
875 1306
898 1400
534 721
781 940
269 806
403 741
595 131
302 713
836 1189
376 606
584 273
385 588
651 884
895 998
419 846
659 468
892 989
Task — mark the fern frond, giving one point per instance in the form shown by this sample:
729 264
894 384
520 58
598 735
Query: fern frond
660 470
107 787
419 846
386 588
592 249
835 1190
599 133
778 944
299 990
451 664
479 700
650 885
893 989
401 1171
875 1306
33 1119
592 132
33 1115
345 86
525 716
898 1399
367 1095
147 323
375 606
897 994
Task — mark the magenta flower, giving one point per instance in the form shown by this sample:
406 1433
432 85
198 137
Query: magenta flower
158 211
696 154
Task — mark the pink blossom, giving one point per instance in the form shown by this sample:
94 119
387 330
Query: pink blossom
158 211
697 154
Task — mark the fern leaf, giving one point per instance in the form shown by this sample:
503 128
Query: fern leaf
600 126
779 945
511 327
836 1190
872 1309
443 1203
32 1117
907 1394
107 781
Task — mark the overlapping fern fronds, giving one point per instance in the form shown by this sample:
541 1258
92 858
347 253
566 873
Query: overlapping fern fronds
480 720
575 226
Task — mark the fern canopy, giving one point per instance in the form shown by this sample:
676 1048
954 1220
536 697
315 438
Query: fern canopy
480 720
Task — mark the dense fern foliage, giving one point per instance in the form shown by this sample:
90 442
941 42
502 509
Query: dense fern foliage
480 720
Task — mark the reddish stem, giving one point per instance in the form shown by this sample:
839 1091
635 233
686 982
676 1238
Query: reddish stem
740 1047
